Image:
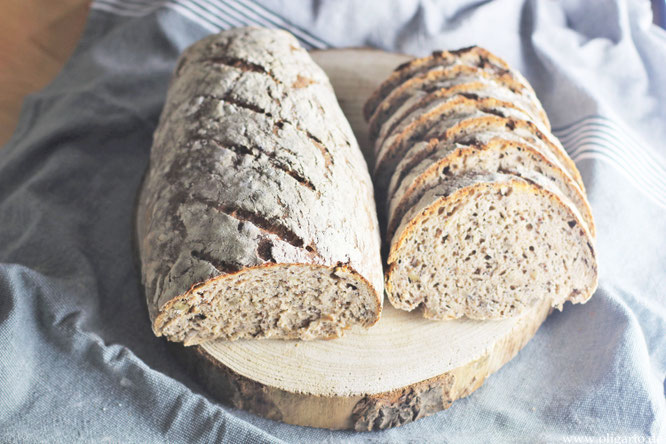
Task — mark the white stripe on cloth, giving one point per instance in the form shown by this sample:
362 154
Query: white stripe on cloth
601 139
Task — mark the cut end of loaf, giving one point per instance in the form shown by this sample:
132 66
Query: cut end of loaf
251 303
490 251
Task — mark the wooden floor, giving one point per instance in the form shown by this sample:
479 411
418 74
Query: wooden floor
36 38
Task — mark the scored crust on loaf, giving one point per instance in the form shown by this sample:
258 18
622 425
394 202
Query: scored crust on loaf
255 172
471 56
488 247
481 144
436 81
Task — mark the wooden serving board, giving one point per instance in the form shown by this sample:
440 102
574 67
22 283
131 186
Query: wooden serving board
400 370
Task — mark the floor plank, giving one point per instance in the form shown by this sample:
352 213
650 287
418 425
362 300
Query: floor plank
36 39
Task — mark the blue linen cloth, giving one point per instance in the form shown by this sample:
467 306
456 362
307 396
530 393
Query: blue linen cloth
78 361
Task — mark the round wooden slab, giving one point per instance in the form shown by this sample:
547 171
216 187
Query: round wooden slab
403 368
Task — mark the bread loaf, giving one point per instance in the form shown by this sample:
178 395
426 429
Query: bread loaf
256 217
486 214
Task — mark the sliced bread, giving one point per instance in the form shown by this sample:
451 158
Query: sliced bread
417 125
434 84
471 56
485 212
470 145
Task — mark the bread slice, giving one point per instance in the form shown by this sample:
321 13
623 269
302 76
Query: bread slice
256 218
494 155
482 144
518 125
438 115
488 247
471 56
460 117
415 92
476 89
434 120
415 127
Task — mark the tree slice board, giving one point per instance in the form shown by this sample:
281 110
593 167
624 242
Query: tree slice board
400 370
